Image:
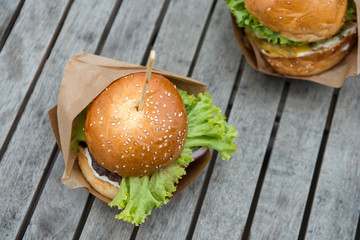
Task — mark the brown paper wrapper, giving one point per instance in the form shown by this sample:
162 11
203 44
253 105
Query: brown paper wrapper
334 77
84 78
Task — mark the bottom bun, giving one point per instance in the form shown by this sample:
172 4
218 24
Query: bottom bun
104 188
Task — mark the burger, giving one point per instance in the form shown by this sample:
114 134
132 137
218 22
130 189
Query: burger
137 156
298 37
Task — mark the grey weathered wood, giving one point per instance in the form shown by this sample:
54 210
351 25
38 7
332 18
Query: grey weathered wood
132 30
22 54
179 35
58 209
288 178
232 185
218 69
7 8
336 206
101 224
30 147
127 41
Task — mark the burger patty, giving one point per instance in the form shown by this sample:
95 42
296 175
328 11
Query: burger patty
103 171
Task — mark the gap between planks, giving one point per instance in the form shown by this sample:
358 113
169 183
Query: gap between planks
254 202
357 234
35 79
37 194
317 170
155 32
206 182
4 36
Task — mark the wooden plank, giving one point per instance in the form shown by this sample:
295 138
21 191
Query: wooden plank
7 8
58 209
232 185
178 37
22 54
336 206
288 178
32 143
132 29
127 41
101 223
173 220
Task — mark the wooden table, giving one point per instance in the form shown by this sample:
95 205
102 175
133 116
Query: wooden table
296 173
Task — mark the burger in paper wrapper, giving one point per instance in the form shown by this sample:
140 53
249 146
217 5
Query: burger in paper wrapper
137 158
298 37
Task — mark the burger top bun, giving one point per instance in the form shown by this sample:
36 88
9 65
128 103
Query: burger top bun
131 142
300 20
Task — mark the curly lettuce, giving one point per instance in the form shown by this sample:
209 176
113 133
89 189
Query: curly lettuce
245 20
78 130
137 196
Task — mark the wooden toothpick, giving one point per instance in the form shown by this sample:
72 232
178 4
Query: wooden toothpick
147 78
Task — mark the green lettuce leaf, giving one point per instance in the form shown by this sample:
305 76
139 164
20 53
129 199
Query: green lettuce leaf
207 126
78 130
246 20
137 196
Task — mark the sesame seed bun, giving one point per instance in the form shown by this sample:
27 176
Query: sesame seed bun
131 142
300 20
306 60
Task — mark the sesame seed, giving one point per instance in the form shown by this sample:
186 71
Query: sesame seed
137 85
122 156
126 98
102 163
117 166
164 105
101 135
124 166
109 150
133 155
